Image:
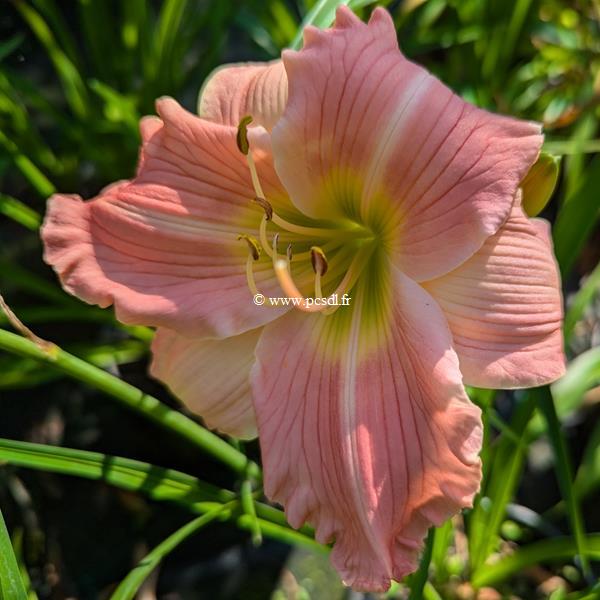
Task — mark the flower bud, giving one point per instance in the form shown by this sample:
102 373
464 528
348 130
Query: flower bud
539 184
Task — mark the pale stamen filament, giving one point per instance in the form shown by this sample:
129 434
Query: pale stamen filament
275 255
316 232
318 290
254 175
262 232
250 275
253 255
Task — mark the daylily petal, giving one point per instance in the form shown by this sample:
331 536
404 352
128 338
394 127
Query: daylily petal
504 308
368 436
369 136
210 376
234 91
163 248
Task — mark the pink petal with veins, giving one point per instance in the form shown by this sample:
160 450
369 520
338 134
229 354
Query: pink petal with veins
371 444
369 136
504 308
163 248
210 376
234 91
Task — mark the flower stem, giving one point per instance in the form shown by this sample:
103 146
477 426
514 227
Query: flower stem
132 398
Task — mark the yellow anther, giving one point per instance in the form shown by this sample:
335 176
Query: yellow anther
242 135
266 206
289 252
318 260
253 246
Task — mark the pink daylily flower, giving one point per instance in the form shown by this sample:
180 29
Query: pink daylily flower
412 197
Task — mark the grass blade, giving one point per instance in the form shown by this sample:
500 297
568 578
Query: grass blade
583 374
568 147
168 31
584 296
40 183
101 38
282 533
322 15
19 212
577 218
439 553
504 468
152 481
72 83
131 397
588 475
418 580
130 585
155 482
247 500
533 554
55 18
11 584
564 475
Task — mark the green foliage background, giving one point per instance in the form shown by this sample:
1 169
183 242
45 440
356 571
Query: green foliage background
75 78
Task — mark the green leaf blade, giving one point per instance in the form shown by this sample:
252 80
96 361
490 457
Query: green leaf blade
11 584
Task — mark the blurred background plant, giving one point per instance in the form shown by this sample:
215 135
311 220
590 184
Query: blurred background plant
75 77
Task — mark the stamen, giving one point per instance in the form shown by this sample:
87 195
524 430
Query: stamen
242 134
254 175
319 265
253 254
300 229
318 260
316 232
243 145
266 206
262 233
253 247
274 254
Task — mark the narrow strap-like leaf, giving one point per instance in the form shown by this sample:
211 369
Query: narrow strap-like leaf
11 584
130 585
564 474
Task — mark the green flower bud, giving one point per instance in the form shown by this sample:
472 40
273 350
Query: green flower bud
539 184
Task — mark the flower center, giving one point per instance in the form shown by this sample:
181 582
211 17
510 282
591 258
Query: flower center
351 247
